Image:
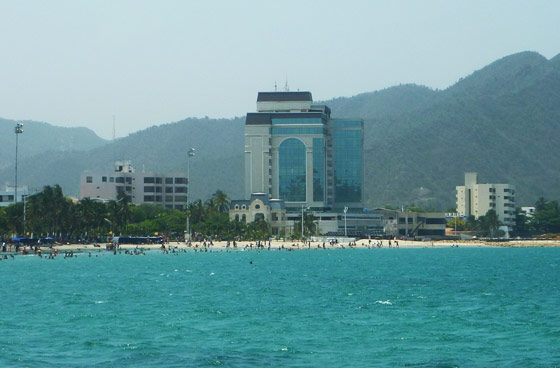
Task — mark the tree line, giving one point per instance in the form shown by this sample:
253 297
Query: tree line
50 213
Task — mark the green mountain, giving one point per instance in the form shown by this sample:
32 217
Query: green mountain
39 138
218 160
501 121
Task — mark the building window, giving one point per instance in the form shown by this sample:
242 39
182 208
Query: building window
149 180
291 165
179 207
236 206
237 217
149 189
158 180
128 180
158 189
120 180
111 180
158 199
244 218
169 198
180 189
89 179
243 207
168 180
257 206
180 180
148 198
180 198
104 179
168 189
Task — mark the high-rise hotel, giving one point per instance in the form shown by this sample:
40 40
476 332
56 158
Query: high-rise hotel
296 152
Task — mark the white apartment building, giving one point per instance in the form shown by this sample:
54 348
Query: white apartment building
7 195
474 199
167 190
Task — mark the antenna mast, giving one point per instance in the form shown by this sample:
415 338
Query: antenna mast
114 145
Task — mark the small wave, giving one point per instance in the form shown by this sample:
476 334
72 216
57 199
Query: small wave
99 301
384 302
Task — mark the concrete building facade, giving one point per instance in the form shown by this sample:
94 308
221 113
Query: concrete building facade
260 205
296 152
7 195
168 190
474 199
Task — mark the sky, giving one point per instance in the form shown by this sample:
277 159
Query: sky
81 63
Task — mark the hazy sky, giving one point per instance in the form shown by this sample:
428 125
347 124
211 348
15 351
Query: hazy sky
78 63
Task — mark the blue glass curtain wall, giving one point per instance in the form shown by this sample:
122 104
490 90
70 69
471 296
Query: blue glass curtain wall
348 165
291 170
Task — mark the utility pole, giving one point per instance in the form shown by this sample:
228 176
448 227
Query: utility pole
18 130
345 210
190 154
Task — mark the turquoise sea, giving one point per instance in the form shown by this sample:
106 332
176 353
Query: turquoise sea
456 307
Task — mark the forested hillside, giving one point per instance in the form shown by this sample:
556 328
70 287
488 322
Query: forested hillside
39 138
218 160
502 121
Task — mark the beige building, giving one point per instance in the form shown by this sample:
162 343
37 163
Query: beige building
260 206
474 199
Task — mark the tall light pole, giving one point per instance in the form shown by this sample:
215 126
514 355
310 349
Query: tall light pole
18 130
190 154
345 210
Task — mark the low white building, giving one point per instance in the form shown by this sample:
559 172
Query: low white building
7 196
474 199
168 190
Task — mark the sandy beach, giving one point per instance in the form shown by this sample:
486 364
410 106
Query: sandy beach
295 245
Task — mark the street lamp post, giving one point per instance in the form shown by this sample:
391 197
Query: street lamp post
190 154
18 130
345 210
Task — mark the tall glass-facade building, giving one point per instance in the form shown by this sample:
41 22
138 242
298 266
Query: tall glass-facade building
294 151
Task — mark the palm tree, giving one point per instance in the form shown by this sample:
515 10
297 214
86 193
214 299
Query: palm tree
221 201
123 201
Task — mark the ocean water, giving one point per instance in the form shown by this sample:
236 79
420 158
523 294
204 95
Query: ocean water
459 307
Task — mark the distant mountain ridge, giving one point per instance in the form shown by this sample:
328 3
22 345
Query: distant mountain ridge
39 138
501 121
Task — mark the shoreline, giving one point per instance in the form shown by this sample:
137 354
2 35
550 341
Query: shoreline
298 245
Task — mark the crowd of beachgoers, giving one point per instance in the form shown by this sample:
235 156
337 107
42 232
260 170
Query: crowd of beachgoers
93 250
